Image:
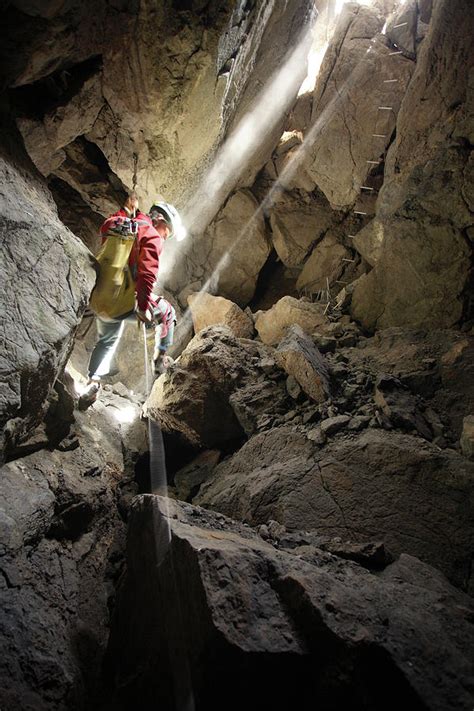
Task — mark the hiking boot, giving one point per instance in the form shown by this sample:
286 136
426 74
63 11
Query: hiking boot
161 363
90 395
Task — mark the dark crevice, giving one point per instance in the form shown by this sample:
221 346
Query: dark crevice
76 214
274 281
42 96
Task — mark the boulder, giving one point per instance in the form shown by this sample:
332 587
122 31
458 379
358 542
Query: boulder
208 310
228 257
300 358
400 405
325 265
368 242
418 279
202 592
374 485
273 324
334 424
257 400
192 397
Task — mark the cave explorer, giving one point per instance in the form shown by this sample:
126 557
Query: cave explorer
129 261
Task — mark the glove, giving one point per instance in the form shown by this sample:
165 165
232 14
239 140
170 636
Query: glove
145 317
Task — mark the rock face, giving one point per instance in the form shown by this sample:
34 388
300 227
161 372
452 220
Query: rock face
345 114
234 68
47 276
373 485
295 229
185 602
324 266
62 544
422 269
228 257
467 437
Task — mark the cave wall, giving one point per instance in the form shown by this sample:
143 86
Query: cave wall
424 213
108 94
47 276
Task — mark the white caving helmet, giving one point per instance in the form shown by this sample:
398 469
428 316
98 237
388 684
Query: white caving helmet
171 216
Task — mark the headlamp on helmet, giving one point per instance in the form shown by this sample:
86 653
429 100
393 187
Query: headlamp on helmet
171 217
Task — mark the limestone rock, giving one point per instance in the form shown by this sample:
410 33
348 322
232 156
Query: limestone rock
402 26
188 479
296 228
208 310
46 139
44 294
467 437
325 263
255 400
266 72
228 595
376 485
421 273
62 546
229 255
192 397
300 358
369 241
300 115
399 405
346 112
272 325
334 424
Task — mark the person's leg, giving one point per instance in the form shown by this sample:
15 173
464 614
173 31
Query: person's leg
109 333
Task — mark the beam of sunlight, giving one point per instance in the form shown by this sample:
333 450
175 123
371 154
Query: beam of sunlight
236 152
292 166
232 157
126 414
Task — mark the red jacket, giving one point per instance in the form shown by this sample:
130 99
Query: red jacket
144 258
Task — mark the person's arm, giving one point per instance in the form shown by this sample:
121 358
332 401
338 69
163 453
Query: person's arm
150 246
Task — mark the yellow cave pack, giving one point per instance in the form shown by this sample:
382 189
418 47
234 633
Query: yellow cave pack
114 292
